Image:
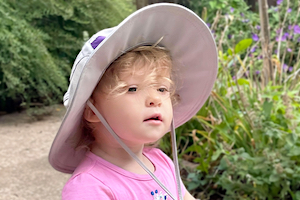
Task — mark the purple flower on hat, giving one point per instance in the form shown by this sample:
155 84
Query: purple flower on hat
255 37
97 41
296 29
279 2
208 24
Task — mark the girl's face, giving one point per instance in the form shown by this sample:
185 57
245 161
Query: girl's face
142 114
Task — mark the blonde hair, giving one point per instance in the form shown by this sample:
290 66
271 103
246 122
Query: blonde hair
155 62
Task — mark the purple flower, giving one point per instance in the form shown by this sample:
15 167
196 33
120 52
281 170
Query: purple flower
229 36
257 72
289 10
285 67
234 77
283 38
246 74
257 27
275 9
296 29
275 51
278 31
289 49
208 24
242 14
253 49
245 20
298 40
290 69
290 27
279 2
255 37
259 57
231 9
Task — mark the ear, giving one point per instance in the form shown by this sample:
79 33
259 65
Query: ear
89 115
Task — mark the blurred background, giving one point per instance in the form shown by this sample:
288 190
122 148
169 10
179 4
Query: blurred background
244 142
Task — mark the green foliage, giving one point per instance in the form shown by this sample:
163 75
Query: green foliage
245 139
27 69
40 39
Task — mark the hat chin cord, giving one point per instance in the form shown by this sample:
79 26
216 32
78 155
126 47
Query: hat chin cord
174 152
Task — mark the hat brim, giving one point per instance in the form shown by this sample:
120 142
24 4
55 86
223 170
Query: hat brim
193 51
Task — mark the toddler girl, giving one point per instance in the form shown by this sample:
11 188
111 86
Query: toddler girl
123 97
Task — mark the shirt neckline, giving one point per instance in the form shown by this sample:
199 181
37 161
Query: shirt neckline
146 152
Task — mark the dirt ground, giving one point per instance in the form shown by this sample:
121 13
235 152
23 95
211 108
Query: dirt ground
24 146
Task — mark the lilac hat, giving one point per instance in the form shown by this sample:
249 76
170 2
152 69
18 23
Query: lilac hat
185 35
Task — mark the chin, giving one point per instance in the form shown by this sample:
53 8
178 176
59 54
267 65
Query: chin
152 143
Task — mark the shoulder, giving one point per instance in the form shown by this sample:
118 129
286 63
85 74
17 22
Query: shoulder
86 183
86 186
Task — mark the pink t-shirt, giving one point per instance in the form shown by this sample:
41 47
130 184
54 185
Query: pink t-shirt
96 178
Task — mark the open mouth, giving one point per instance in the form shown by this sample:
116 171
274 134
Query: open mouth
154 118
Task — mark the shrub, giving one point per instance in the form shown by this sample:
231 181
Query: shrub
39 41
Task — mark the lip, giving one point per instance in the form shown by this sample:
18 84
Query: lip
155 118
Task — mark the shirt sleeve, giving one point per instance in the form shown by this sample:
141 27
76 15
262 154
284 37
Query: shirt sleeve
85 186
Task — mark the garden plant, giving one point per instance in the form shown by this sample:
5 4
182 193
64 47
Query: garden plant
244 143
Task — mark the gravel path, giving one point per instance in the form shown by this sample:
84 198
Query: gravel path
24 146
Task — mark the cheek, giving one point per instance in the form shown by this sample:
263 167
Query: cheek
169 110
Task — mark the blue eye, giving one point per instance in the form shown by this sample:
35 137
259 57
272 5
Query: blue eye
132 89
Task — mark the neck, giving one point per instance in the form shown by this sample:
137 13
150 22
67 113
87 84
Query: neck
112 152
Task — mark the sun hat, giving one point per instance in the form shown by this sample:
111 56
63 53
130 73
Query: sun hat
191 46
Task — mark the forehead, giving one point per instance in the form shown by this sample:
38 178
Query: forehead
146 70
143 60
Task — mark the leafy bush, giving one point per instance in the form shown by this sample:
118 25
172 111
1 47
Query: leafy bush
40 39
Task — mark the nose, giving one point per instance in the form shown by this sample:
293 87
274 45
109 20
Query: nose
153 99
